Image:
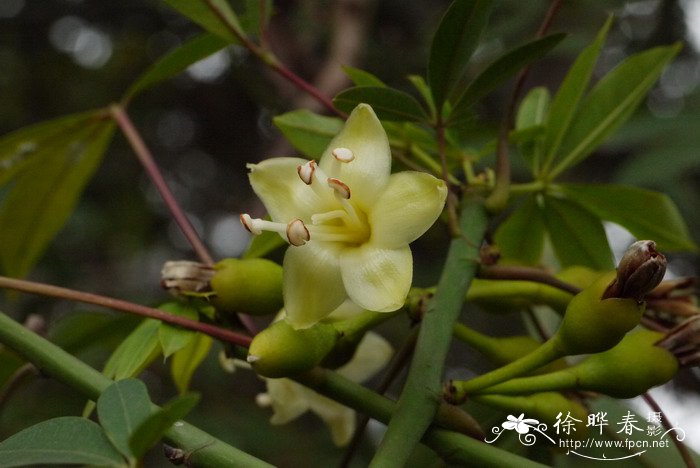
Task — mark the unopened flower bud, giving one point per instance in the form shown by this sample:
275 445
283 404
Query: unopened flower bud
252 286
641 269
183 277
281 351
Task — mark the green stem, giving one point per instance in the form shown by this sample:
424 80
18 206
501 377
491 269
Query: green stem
507 294
453 447
418 404
205 449
548 352
564 379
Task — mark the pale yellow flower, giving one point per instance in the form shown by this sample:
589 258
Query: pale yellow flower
290 400
349 221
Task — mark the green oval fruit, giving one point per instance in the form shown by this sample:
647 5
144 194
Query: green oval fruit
592 325
251 286
281 351
629 369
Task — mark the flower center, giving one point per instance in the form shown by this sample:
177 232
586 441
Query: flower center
345 223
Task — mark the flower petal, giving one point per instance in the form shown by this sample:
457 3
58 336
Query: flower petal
372 354
283 193
339 419
377 279
312 284
409 205
289 400
368 173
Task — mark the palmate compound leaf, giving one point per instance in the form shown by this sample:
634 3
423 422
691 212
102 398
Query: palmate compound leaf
173 338
46 168
389 103
570 93
645 213
151 430
501 70
520 238
176 61
136 352
532 114
309 133
186 361
577 235
219 23
453 45
610 104
64 440
121 408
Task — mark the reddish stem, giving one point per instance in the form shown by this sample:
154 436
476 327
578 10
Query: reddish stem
144 154
682 449
124 306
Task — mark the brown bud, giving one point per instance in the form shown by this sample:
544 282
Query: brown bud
185 277
684 342
641 269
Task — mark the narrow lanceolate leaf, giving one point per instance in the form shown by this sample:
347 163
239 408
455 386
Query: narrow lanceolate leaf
177 61
123 407
570 92
610 103
309 133
362 77
186 361
453 45
388 103
577 235
173 339
219 20
46 189
502 69
520 238
153 428
136 352
65 440
532 114
645 213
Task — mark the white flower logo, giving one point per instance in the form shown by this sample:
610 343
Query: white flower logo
521 424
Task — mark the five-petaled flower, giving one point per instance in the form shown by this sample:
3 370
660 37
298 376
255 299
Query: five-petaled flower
521 424
348 219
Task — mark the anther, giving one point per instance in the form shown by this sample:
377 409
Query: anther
248 224
344 155
297 233
306 172
342 190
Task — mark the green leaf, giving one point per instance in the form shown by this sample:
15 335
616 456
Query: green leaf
188 359
263 244
520 238
46 189
136 352
176 61
389 103
362 77
173 338
453 45
309 133
122 407
645 213
199 12
501 70
570 93
577 235
532 113
422 87
153 428
256 16
65 440
610 103
80 330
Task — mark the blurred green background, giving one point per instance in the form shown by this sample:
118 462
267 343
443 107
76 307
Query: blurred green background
64 56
